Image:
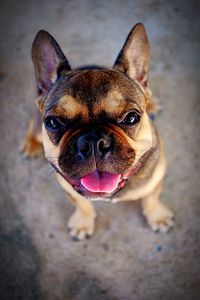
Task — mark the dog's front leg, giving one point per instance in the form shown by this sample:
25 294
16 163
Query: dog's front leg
159 217
81 224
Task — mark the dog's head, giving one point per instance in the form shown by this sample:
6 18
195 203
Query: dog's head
96 130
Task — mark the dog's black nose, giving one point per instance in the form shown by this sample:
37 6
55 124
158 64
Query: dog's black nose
93 144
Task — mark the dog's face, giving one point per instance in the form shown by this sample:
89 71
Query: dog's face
96 129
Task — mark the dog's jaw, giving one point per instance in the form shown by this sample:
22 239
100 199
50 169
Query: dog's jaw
80 185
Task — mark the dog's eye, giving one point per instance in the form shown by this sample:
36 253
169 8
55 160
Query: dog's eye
53 124
131 118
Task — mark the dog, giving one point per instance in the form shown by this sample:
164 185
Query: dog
94 126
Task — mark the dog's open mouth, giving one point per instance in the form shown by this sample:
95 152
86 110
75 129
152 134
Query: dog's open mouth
96 184
101 182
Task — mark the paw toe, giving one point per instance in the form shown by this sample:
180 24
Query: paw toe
80 234
163 225
81 227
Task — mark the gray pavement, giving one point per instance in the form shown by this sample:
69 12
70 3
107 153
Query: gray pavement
124 260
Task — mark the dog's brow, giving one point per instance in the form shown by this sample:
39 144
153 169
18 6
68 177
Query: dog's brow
132 101
48 108
69 108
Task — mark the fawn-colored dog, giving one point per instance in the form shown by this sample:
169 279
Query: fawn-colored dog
94 126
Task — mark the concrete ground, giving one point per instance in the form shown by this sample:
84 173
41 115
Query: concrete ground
124 260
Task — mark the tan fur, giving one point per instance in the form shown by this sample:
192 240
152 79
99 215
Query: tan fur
159 217
71 108
113 104
51 151
149 186
109 104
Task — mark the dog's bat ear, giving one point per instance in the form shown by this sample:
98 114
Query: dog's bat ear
133 59
48 60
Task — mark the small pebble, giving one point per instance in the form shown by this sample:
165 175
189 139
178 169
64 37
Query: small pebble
105 246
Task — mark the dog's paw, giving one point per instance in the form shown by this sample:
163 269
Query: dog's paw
31 147
81 226
160 218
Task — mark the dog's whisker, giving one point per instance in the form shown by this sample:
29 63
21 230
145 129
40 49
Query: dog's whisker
51 174
48 172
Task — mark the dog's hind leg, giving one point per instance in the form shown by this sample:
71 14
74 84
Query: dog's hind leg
32 144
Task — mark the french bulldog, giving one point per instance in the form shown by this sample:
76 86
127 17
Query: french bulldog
94 126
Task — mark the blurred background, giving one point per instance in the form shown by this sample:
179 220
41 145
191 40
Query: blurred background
124 260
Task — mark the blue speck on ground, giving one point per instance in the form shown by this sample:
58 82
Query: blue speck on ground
159 248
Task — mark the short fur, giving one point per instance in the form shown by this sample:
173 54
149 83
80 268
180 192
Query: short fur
92 102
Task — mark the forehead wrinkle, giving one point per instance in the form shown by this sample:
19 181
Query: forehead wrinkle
89 86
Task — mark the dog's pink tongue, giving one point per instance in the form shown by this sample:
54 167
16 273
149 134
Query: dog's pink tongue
100 182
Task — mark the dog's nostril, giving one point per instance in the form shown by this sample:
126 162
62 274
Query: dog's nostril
103 146
85 148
